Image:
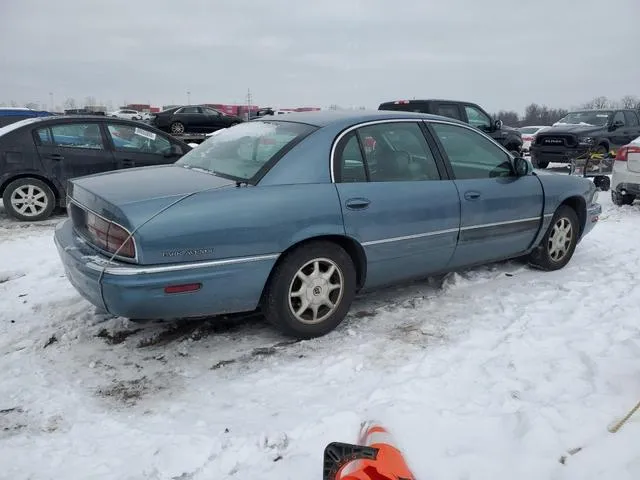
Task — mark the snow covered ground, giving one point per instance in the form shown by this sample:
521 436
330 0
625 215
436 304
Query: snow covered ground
493 373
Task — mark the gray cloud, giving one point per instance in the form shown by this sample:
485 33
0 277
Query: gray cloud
350 52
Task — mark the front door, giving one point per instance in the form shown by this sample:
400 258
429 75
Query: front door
135 146
394 202
501 213
70 150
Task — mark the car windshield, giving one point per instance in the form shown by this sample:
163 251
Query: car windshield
594 117
529 130
15 125
240 152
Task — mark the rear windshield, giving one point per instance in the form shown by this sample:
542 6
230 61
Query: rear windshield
418 107
241 152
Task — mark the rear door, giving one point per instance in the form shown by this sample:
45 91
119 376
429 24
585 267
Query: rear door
190 117
396 201
501 212
136 146
69 150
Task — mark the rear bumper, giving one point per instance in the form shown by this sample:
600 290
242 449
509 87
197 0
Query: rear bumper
135 291
624 179
625 188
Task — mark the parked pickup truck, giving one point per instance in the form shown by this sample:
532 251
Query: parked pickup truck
470 113
582 132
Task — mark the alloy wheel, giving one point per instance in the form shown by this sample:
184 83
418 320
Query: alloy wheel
29 200
316 291
560 239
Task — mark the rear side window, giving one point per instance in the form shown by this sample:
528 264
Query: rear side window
352 167
632 119
448 110
417 107
128 138
73 135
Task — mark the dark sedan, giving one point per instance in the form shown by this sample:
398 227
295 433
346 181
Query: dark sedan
39 155
193 119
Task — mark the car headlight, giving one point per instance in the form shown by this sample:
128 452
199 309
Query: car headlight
586 141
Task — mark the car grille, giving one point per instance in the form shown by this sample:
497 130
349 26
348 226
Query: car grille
557 140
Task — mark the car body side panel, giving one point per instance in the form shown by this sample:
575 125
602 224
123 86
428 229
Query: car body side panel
241 222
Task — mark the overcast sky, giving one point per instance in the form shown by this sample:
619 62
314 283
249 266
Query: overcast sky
501 54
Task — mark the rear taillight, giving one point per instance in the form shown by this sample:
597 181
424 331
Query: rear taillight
527 139
110 237
622 155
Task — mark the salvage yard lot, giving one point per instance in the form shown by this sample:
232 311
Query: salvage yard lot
492 373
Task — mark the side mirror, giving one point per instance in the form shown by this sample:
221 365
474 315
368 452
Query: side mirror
521 166
497 124
615 125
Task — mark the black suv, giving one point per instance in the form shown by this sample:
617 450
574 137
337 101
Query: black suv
584 131
470 113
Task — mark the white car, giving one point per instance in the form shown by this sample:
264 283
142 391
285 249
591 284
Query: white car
126 114
529 134
625 181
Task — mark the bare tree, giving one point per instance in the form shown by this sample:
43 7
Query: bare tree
508 118
14 104
89 101
599 103
629 101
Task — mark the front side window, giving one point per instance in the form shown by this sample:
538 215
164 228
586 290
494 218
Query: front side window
241 152
471 154
128 138
397 151
632 119
73 135
619 118
596 118
212 112
477 118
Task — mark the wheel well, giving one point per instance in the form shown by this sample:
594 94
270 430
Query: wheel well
580 207
53 188
353 248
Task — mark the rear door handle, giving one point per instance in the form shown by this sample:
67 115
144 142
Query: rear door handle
357 203
56 156
472 195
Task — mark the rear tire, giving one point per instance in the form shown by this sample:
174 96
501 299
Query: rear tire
620 200
559 242
29 199
311 290
176 128
602 182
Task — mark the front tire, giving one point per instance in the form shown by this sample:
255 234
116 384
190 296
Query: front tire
311 290
539 163
29 199
559 242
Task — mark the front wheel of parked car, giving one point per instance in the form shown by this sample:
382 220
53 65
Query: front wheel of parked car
311 290
620 200
559 242
177 128
29 199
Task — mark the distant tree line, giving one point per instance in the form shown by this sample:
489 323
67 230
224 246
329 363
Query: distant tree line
536 114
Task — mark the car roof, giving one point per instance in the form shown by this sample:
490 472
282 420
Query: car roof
422 100
323 118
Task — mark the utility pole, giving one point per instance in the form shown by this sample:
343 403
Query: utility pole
51 101
249 104
188 97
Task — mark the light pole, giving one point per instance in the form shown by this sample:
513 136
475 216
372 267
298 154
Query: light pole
51 101
188 97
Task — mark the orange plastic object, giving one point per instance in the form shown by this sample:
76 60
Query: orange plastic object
389 463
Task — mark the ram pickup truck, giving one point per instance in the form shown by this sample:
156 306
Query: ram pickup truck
583 132
470 113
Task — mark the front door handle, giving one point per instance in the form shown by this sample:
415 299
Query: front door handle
472 195
56 156
357 203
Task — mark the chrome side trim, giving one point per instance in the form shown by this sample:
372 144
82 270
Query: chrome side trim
496 224
410 237
449 230
111 269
